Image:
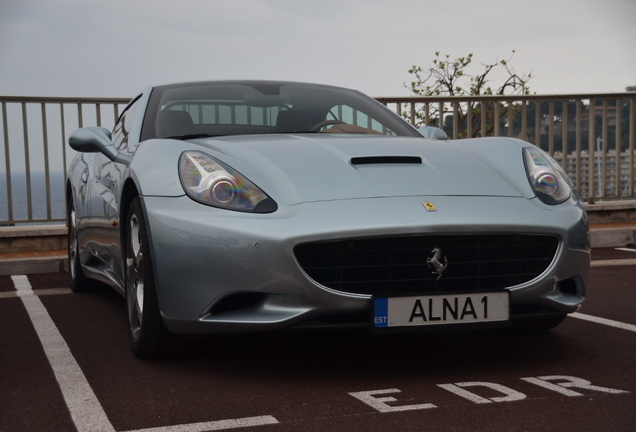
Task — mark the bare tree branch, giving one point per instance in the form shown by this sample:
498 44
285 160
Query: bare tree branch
450 77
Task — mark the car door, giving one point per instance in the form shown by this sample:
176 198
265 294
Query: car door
106 194
115 174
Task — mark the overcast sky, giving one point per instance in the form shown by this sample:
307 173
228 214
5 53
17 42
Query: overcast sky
118 47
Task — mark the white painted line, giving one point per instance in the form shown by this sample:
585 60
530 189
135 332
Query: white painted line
626 249
215 425
86 411
511 395
604 321
379 403
464 393
553 387
613 262
571 382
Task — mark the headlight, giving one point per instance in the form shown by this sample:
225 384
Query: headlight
549 181
214 183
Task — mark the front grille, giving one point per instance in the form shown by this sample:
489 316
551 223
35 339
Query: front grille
397 265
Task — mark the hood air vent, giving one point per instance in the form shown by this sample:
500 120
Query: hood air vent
366 160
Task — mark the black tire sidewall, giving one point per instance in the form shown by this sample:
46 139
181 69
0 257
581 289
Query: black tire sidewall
152 330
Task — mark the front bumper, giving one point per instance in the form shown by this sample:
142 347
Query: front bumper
219 271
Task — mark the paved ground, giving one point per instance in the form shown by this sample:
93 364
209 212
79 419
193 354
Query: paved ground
578 377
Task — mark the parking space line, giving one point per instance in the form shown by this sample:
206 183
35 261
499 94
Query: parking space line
215 425
86 411
613 262
604 321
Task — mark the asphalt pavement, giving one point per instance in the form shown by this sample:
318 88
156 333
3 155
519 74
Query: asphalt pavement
65 365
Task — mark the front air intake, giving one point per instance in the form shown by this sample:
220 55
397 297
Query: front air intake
396 265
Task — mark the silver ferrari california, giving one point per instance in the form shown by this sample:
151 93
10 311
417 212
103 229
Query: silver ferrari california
242 206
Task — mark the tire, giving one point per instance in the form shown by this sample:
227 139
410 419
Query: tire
78 281
149 338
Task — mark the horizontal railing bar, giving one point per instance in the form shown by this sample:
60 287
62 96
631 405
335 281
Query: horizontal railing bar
382 99
560 97
49 99
5 222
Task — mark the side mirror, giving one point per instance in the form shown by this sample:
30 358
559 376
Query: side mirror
97 140
432 132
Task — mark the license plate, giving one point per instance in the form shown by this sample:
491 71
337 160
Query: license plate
441 309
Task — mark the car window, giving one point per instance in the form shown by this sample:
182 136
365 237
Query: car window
363 122
227 113
124 124
247 108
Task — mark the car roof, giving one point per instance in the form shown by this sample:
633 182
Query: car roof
251 83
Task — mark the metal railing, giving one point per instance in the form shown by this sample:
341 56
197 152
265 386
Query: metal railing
563 125
35 130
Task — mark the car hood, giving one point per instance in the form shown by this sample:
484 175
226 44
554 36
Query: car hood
322 167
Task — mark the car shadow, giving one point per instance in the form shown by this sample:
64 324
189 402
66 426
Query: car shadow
359 354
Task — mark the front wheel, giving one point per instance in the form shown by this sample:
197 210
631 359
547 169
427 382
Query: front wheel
149 337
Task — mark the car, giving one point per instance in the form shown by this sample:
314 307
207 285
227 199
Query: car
224 207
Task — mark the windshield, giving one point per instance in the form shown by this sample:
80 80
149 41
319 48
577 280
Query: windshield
195 110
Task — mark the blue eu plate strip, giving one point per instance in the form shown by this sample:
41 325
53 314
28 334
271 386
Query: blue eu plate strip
380 312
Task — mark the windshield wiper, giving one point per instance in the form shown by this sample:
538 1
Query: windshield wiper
192 136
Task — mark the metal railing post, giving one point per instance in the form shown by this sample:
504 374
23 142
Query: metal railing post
591 119
7 160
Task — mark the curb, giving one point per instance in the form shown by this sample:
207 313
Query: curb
24 266
612 237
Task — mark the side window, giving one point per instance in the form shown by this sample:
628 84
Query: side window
124 124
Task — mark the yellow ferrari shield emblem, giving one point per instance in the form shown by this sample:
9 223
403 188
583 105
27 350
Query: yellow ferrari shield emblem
429 206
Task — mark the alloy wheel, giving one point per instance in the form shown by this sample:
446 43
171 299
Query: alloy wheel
135 278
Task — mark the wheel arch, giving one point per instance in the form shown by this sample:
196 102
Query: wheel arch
68 195
129 192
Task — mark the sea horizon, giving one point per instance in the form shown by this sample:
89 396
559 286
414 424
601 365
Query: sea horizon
38 197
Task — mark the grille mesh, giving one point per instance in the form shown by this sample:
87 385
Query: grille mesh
395 265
